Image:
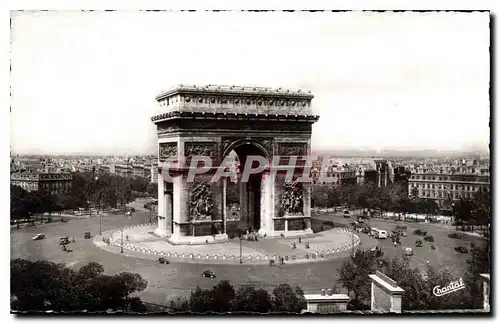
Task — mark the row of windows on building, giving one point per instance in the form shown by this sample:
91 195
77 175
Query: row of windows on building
438 178
447 186
444 194
52 187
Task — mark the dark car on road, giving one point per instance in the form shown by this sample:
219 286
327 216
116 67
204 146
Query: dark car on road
163 261
461 249
377 251
208 274
37 237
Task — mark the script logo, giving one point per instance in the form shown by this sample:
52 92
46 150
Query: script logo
453 286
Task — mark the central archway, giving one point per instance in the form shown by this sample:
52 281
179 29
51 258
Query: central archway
250 202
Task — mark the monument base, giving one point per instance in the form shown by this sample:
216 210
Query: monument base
290 234
197 240
161 231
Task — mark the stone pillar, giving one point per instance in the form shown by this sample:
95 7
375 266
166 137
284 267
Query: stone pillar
180 201
160 229
267 204
307 206
168 210
224 205
386 295
486 291
251 205
243 205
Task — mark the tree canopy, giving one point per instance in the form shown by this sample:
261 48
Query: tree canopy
43 286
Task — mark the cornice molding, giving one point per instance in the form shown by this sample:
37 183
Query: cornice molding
235 91
177 115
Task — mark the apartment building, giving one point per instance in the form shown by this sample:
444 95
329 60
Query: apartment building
55 183
441 186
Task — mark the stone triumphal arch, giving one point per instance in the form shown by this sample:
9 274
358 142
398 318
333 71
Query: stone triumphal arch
213 121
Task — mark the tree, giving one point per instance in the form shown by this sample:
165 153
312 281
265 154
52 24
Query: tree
463 211
354 277
419 284
222 294
479 263
288 300
179 305
201 301
482 207
152 189
398 195
333 197
20 207
248 299
218 299
319 196
43 285
414 192
431 207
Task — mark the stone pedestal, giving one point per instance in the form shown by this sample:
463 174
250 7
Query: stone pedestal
386 294
326 304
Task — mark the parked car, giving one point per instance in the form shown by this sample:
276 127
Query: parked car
408 251
87 235
63 240
208 274
163 261
377 251
461 249
382 263
39 236
360 220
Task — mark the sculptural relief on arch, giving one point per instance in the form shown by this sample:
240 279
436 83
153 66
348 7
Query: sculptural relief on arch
213 121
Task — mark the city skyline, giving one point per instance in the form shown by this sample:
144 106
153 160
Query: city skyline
404 81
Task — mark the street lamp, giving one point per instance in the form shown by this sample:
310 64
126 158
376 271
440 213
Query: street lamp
241 256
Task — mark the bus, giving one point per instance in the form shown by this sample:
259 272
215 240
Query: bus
378 233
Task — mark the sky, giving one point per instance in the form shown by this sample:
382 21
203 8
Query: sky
85 82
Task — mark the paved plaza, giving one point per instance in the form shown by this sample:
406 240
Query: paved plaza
321 246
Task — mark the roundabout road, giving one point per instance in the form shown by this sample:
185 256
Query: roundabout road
165 282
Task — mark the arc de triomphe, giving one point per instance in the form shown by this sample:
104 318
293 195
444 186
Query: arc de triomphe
214 121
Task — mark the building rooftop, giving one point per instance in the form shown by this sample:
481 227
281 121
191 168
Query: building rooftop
234 89
222 101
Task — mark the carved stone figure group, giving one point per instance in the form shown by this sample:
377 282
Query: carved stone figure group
292 198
